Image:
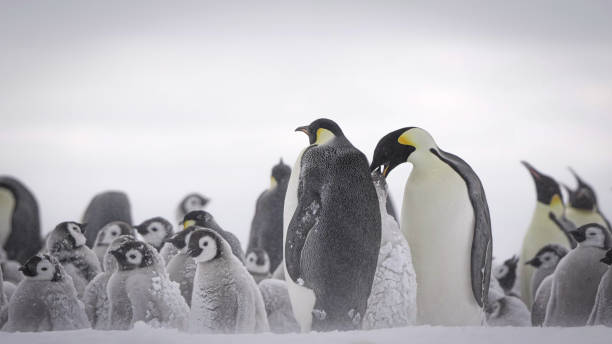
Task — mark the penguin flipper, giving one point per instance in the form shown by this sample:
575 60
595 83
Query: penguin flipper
482 242
565 226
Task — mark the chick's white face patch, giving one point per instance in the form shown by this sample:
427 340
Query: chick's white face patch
500 271
44 271
548 259
75 231
193 203
133 257
209 249
252 266
156 233
594 237
110 233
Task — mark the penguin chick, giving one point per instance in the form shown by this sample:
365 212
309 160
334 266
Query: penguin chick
67 243
155 232
107 234
258 264
45 300
505 310
392 302
191 202
225 297
540 301
545 262
204 219
576 278
506 274
95 298
140 290
181 267
278 306
602 310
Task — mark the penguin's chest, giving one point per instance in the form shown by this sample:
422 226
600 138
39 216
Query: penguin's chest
7 206
582 217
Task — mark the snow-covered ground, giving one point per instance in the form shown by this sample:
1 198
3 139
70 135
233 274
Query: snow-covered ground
409 335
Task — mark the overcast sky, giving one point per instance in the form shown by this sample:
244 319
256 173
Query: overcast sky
163 98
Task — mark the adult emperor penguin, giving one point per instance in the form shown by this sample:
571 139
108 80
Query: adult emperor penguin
19 220
106 207
602 311
582 207
543 230
332 231
445 218
267 224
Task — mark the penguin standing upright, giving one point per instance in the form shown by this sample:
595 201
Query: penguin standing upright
545 262
445 218
543 230
332 231
583 207
191 202
204 219
106 207
267 225
107 234
602 311
19 221
505 274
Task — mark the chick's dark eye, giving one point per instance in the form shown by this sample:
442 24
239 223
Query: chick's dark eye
133 256
206 243
154 229
44 269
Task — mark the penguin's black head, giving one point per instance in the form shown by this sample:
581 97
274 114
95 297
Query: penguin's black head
66 236
133 255
321 131
547 189
198 218
280 172
608 258
548 255
193 201
391 151
179 240
592 234
205 245
42 267
257 261
583 197
155 231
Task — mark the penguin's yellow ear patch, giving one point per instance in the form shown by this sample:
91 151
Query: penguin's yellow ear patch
406 140
273 182
556 201
324 136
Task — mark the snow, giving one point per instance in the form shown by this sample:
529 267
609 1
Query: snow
413 335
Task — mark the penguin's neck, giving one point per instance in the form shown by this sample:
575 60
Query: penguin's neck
583 216
427 165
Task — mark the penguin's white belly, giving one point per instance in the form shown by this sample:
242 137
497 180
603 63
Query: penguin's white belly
7 206
302 298
438 221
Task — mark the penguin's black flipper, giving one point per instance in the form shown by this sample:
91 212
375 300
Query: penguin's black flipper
482 243
565 226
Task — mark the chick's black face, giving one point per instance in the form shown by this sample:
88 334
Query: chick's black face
29 268
132 255
321 123
389 153
178 239
546 187
608 258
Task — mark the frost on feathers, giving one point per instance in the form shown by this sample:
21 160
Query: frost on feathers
392 301
278 306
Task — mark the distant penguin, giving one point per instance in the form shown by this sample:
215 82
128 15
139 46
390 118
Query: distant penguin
258 264
203 218
67 243
225 297
278 306
19 220
181 267
155 231
332 231
95 297
545 262
505 274
45 300
140 290
505 310
267 224
602 310
542 230
106 207
107 234
445 217
192 202
392 302
583 207
576 278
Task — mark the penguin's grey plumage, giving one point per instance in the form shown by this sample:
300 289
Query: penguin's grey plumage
545 262
140 290
267 224
45 300
106 207
442 191
107 234
505 310
204 219
181 267
278 306
258 264
332 228
19 220
540 301
576 278
225 297
67 243
155 231
505 274
191 202
602 310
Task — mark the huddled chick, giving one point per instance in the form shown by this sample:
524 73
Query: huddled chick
107 234
257 263
156 231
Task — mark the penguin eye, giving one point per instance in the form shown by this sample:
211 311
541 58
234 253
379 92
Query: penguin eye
154 229
251 259
205 243
44 269
133 256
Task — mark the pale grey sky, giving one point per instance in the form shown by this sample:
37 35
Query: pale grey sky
163 98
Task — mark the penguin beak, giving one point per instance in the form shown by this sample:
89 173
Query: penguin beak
535 262
303 129
534 173
188 223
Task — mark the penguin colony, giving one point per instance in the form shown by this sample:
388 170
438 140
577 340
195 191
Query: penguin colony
326 252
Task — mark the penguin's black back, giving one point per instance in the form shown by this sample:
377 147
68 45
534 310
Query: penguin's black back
104 208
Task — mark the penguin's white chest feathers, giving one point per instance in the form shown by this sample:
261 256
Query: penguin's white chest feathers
438 221
302 298
7 206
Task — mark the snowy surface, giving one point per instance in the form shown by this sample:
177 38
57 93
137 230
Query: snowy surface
412 335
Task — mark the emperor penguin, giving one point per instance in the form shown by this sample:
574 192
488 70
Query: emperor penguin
45 300
106 207
203 218
181 267
583 207
445 217
19 220
332 231
278 306
67 243
225 297
140 290
107 234
257 263
267 224
505 274
543 230
576 278
602 310
191 202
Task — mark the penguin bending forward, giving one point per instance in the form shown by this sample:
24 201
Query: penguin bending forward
332 231
445 218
